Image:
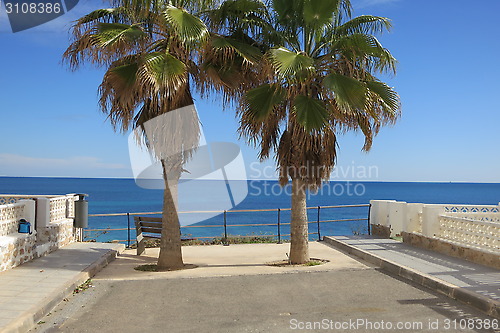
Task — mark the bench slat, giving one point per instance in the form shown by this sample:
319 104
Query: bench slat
151 230
151 224
157 236
147 219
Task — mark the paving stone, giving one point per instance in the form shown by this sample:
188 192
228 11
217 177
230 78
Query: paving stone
437 270
29 291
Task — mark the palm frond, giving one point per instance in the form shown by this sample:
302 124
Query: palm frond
120 92
288 11
349 93
188 27
320 13
249 53
163 72
104 43
260 102
364 24
311 113
114 33
290 64
238 15
387 95
103 15
364 45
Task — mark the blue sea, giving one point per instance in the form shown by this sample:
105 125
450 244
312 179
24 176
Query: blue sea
124 196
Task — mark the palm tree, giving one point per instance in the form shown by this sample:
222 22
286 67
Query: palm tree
315 80
149 49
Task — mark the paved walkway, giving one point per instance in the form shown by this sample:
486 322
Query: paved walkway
471 283
30 291
233 290
233 260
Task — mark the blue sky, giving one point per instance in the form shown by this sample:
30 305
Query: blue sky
447 78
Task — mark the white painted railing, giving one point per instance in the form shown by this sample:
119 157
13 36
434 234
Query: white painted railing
471 225
50 208
61 208
482 234
471 209
486 217
6 199
10 215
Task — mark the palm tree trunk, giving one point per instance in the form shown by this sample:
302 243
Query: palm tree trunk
170 246
299 246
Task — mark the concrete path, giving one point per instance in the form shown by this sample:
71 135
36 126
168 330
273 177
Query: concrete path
233 290
457 278
30 291
218 260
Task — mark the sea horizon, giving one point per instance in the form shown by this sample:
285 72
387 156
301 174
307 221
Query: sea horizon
276 180
123 195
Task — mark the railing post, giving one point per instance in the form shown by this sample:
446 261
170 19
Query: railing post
128 230
319 232
369 212
29 211
279 226
225 242
42 213
430 219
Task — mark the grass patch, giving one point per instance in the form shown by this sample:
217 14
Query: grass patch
154 268
249 239
286 263
147 268
314 263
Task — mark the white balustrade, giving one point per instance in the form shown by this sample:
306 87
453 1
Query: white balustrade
483 234
9 217
470 225
465 209
58 210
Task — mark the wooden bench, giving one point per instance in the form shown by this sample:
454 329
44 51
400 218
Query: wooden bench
146 227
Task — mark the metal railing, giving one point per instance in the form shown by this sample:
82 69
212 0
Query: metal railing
224 226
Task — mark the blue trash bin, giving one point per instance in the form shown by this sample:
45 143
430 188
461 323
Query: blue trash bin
24 227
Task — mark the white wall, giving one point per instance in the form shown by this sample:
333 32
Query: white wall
418 217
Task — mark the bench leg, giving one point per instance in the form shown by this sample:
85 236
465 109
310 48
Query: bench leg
139 238
141 247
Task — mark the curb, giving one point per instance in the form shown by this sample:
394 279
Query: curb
478 301
31 317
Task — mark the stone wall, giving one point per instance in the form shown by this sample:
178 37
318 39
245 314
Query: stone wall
455 250
53 218
380 230
16 249
54 236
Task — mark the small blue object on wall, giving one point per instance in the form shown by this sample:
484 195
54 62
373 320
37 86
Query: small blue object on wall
24 227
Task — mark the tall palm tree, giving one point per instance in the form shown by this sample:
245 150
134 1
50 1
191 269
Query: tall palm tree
315 80
149 49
